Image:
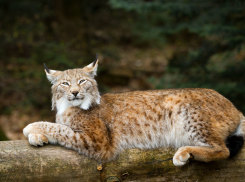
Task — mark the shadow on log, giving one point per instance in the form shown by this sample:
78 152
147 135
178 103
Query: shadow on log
19 161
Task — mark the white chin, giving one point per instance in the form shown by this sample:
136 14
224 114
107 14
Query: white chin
76 102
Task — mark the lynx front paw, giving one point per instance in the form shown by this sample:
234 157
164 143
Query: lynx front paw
32 133
37 139
29 129
181 157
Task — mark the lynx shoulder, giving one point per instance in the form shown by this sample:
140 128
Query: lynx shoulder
203 124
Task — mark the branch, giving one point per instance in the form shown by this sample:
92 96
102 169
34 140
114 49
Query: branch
19 161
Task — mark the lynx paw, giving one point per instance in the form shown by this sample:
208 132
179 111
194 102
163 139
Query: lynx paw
29 129
181 157
37 139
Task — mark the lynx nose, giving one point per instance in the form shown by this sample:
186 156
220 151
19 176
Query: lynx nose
74 93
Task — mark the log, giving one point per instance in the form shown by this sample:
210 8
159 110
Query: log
19 161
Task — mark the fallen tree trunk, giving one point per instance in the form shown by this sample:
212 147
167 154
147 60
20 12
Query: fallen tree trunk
19 161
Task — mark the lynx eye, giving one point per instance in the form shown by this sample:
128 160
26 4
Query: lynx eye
65 83
81 81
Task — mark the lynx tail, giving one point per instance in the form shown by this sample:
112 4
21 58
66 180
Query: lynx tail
235 142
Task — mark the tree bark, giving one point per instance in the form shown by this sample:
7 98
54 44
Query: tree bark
19 161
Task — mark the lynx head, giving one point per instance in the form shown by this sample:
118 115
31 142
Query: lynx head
74 87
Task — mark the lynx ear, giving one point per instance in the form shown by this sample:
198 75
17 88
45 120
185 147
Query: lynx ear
92 68
51 74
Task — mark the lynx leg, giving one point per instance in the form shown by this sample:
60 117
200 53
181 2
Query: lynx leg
94 144
200 153
44 132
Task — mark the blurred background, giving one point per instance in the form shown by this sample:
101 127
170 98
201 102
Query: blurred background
142 44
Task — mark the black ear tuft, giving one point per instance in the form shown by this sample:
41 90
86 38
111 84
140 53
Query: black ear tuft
46 68
95 61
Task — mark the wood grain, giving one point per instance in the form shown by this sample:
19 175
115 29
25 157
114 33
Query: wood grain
20 161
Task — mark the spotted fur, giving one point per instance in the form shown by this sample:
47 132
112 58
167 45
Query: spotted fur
197 121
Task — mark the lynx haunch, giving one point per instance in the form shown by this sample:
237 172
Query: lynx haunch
203 124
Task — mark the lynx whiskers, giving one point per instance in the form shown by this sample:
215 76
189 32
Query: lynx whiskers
200 122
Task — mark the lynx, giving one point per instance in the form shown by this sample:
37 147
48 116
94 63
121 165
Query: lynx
203 124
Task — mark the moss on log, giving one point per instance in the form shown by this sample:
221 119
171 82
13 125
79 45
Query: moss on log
20 161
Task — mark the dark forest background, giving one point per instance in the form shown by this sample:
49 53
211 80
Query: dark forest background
142 44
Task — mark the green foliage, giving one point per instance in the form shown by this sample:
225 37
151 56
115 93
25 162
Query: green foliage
62 34
209 38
